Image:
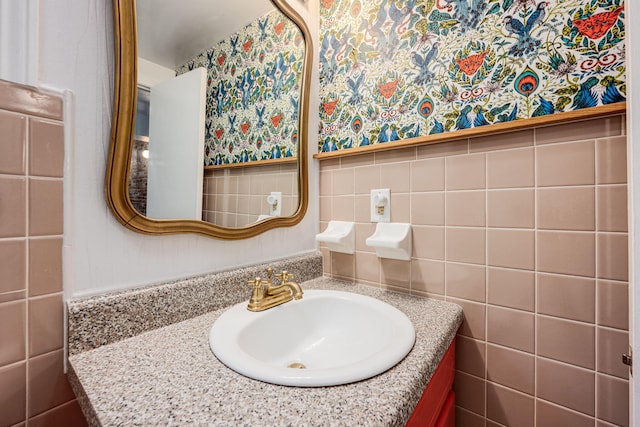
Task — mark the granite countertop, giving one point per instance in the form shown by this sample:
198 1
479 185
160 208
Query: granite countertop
169 376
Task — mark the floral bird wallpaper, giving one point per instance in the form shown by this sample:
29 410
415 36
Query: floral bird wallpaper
399 69
253 91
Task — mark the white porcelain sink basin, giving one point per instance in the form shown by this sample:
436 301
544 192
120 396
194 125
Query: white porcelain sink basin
339 337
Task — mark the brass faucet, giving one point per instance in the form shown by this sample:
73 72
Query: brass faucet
266 295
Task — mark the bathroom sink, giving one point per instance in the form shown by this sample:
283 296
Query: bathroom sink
326 338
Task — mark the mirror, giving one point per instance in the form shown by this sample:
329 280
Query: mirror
251 81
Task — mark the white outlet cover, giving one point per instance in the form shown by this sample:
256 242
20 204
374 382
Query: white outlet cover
381 198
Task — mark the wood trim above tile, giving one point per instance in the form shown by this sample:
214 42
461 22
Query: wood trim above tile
587 113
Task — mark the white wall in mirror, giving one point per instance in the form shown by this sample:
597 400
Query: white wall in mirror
176 147
150 73
100 254
164 39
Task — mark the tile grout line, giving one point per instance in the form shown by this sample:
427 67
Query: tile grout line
486 285
535 275
27 266
596 274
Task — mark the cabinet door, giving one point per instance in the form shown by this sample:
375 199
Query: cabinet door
447 416
432 402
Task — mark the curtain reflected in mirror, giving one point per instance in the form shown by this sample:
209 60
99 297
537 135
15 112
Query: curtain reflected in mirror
240 124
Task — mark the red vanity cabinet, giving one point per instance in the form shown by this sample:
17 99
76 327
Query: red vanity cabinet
436 407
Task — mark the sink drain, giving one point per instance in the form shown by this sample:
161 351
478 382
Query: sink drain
297 365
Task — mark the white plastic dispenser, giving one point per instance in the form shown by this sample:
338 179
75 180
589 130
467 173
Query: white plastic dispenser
381 205
274 200
392 240
340 236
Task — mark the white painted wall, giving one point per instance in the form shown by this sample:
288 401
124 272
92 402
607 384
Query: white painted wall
175 171
75 52
150 73
18 41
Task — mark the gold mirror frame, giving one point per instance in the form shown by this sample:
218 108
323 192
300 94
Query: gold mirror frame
122 130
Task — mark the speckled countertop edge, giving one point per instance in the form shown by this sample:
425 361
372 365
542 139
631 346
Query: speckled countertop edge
169 376
96 321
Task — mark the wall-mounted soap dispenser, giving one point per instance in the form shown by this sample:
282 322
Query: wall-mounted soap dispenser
340 236
392 240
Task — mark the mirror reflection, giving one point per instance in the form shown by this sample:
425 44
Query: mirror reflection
216 132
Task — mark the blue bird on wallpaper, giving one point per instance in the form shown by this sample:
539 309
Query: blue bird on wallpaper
246 86
354 85
275 152
329 51
346 142
387 42
463 121
210 59
234 44
373 32
480 120
388 133
585 97
399 15
220 94
436 128
328 68
330 48
244 157
277 74
537 16
525 44
262 25
611 93
293 99
414 134
469 16
329 145
231 118
381 18
260 115
422 62
545 108
365 141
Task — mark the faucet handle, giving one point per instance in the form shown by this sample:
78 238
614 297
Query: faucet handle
284 276
257 282
269 274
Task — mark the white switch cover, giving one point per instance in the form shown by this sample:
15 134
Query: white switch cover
381 205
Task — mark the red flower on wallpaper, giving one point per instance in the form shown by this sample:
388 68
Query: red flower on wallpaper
244 127
471 63
388 89
275 120
327 4
221 59
329 107
278 27
247 45
219 133
596 26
